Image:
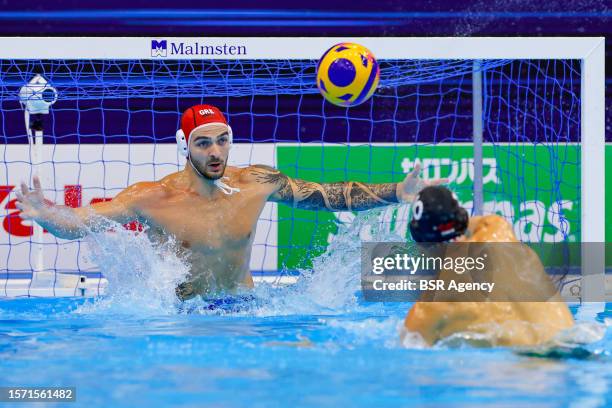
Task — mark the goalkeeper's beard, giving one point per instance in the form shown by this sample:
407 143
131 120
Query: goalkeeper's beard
200 168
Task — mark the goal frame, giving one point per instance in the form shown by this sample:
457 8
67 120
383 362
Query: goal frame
589 50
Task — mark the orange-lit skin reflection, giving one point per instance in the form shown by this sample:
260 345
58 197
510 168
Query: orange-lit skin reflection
503 323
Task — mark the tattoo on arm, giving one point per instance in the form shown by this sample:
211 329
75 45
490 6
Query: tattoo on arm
351 195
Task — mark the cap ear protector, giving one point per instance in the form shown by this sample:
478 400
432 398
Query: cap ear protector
182 143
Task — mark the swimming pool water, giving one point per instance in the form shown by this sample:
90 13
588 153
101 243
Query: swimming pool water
239 359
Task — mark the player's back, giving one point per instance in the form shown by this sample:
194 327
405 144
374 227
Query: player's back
502 315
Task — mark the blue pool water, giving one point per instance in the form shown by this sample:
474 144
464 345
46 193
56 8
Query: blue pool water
255 358
314 343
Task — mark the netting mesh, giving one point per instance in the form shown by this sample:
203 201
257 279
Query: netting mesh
114 124
96 79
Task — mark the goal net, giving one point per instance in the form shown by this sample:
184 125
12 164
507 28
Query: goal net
507 132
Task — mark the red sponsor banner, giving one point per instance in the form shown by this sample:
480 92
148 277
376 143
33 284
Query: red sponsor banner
14 225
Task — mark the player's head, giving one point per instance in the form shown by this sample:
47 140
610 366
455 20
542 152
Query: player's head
437 216
205 139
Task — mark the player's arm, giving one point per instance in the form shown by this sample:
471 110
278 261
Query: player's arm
341 196
72 223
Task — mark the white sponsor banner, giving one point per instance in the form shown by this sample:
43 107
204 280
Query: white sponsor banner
81 173
295 47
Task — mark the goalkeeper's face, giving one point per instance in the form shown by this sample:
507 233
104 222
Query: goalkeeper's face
209 149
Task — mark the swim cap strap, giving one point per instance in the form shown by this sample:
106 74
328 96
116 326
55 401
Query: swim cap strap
229 190
225 189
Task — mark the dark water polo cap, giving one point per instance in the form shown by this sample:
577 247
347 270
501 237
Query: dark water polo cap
437 216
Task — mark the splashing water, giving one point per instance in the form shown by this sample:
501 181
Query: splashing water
333 283
142 275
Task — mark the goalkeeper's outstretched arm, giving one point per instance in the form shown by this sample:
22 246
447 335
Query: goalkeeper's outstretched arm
341 196
72 223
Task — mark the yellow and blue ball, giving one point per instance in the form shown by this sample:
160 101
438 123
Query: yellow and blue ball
347 74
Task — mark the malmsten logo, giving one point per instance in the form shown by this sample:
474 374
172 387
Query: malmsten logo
163 48
159 48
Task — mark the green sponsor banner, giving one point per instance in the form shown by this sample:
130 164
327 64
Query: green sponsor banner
536 187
